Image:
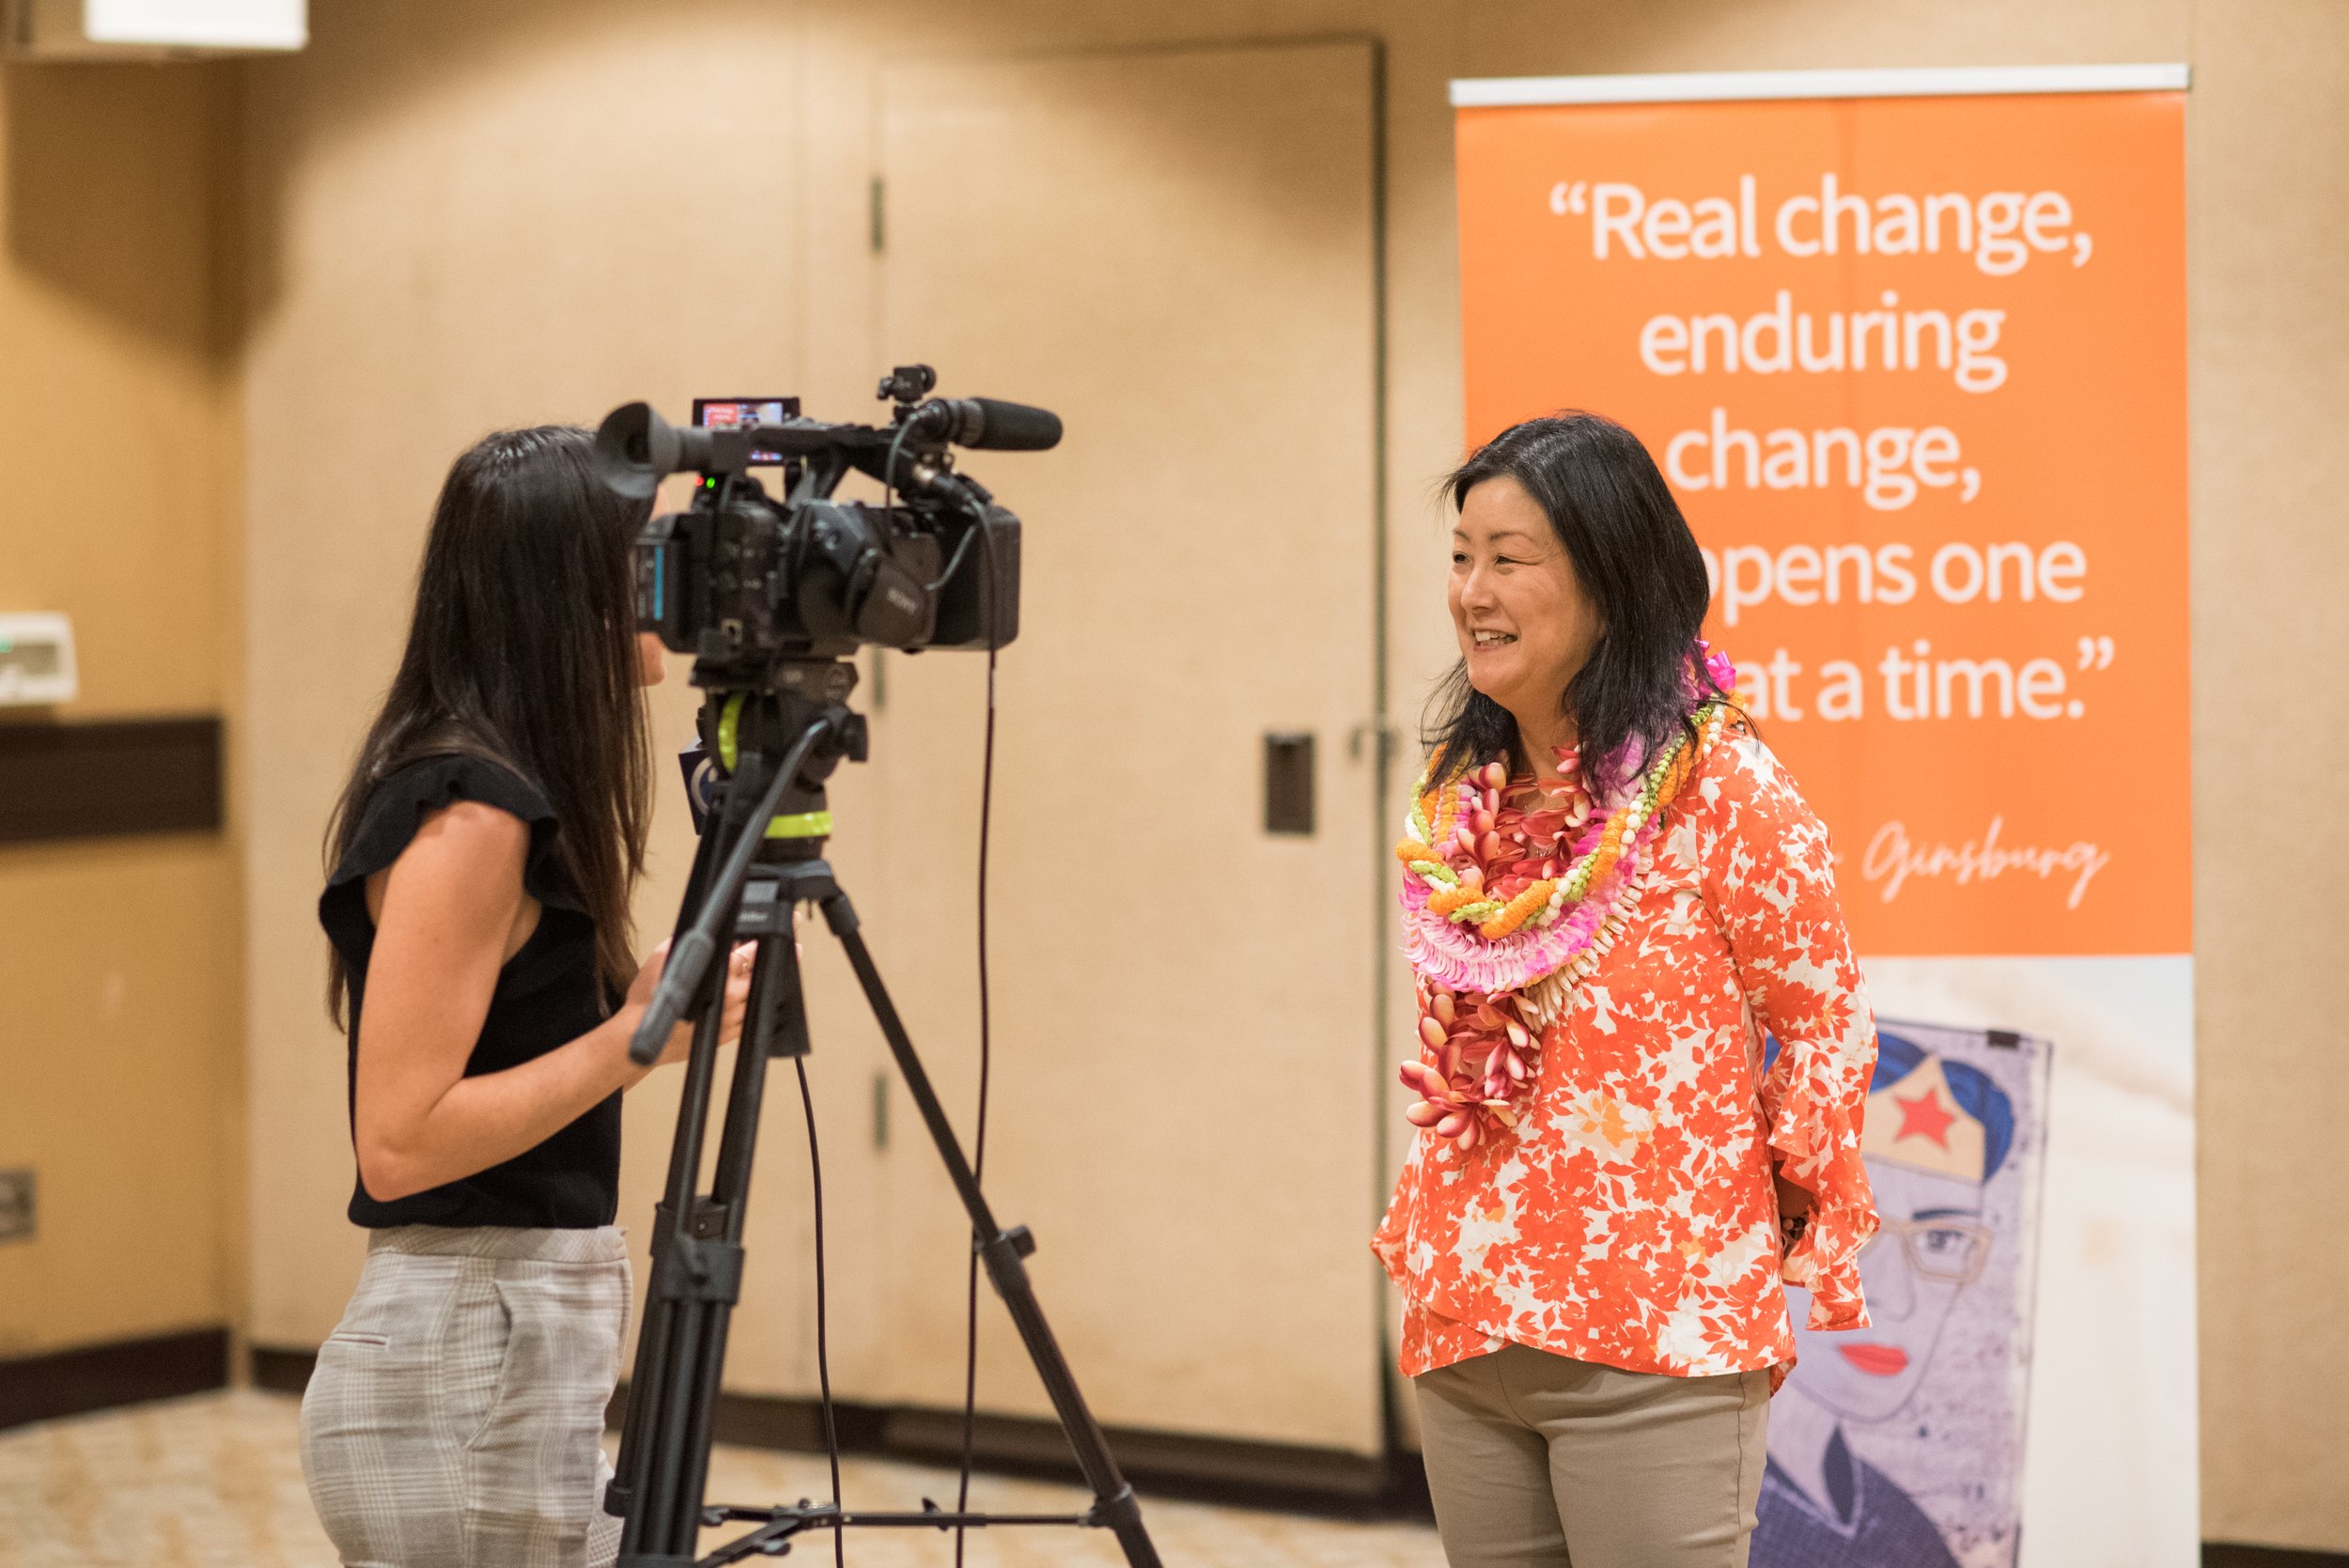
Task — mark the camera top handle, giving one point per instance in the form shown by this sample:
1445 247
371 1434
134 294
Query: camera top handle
636 448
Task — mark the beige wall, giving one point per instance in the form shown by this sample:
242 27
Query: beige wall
468 215
119 1046
2268 176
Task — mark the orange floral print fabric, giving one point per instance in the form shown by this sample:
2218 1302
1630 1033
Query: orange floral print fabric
1631 1218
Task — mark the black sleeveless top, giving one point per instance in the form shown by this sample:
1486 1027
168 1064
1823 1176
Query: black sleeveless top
546 994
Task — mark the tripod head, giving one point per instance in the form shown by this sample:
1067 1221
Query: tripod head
744 725
771 742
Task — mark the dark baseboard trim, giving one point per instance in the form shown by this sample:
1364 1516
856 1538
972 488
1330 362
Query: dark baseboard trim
1209 1470
109 779
1225 1470
284 1372
99 1376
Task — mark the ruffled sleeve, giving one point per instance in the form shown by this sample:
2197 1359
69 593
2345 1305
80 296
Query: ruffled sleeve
1769 876
397 807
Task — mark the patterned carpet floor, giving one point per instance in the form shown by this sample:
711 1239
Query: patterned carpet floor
216 1482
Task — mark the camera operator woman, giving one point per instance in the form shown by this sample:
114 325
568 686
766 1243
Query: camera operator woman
483 853
1610 891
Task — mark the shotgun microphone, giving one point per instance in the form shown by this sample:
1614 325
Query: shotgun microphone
987 424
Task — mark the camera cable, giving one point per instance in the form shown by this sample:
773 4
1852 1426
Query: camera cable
889 468
978 1156
823 1344
978 1161
978 1164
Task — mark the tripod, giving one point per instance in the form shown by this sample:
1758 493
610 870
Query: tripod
760 857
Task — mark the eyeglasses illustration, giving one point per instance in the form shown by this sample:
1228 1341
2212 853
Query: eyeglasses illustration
1941 1248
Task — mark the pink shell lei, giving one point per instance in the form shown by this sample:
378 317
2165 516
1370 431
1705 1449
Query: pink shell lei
1462 959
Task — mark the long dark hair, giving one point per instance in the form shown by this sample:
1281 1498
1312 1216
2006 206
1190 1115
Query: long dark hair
1635 559
522 650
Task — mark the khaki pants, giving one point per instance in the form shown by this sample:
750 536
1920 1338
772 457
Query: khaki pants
1535 1459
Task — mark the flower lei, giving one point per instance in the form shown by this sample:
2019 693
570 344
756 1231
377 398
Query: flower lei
1494 973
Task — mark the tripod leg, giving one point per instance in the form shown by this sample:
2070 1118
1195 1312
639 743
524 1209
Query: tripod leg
647 1482
1005 1254
654 1329
774 1001
697 1274
663 1474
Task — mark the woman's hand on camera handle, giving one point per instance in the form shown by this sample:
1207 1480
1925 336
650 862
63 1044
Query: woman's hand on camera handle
681 1037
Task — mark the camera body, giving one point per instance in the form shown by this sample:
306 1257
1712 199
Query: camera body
740 579
746 583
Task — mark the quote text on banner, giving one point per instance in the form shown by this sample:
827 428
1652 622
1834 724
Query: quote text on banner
1915 369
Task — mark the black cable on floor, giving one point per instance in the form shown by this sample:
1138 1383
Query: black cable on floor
823 1345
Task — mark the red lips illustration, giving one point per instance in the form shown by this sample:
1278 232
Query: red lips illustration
1876 1361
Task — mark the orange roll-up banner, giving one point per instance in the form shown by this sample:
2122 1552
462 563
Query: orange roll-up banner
1916 370
1909 348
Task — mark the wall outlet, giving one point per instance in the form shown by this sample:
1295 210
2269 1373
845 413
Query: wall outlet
37 661
16 1205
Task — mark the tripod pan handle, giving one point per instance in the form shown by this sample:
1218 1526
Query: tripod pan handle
689 957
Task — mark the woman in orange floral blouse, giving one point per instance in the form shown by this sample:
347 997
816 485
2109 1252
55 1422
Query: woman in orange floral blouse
1610 892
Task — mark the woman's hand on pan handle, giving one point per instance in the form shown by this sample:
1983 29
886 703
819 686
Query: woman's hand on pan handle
681 1037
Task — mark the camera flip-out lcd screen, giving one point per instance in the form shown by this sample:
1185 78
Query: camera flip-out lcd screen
720 414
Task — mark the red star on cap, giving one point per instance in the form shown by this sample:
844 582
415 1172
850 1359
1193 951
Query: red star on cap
1923 1117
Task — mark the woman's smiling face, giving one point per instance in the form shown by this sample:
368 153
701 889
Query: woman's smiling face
1525 625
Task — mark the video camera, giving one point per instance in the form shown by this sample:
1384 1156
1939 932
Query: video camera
769 597
746 584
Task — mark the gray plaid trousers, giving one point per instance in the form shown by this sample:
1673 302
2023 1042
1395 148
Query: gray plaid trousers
456 1417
